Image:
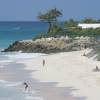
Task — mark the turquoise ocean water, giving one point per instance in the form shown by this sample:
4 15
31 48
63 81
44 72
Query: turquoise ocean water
10 32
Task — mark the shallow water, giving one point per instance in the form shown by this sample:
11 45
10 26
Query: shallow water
9 90
12 56
10 32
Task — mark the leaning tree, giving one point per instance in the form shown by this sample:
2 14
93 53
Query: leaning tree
50 17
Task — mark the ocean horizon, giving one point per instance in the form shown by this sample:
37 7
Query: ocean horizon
14 31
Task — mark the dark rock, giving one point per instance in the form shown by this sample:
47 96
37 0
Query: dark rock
52 46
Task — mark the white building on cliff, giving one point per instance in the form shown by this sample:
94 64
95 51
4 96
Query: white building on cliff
84 25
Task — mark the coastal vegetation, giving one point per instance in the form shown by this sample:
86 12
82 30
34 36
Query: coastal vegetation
60 36
67 28
73 30
89 20
51 18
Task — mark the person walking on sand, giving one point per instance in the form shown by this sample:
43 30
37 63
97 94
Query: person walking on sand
85 47
43 62
97 69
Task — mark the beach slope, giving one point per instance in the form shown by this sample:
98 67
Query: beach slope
68 69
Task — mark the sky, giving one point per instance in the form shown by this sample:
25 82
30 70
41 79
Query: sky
27 10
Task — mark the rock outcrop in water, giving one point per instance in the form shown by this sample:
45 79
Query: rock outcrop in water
52 45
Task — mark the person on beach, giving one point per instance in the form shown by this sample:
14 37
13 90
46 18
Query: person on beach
84 54
43 62
97 69
85 47
26 85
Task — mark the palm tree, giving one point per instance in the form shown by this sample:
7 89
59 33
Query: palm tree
88 20
50 17
47 17
71 23
55 13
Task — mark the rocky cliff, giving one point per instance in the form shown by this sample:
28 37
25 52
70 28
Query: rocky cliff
52 45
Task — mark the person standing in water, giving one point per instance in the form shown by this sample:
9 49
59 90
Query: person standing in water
26 85
43 62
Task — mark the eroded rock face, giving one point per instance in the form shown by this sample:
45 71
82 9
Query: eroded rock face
33 47
51 46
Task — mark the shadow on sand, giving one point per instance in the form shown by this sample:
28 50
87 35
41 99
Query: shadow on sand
16 72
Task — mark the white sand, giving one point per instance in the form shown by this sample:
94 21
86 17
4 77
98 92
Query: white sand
69 69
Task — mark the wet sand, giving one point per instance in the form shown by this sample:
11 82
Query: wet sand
71 71
15 71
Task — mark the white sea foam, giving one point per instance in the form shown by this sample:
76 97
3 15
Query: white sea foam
3 81
1 49
9 84
17 28
8 90
1 66
19 55
30 97
33 98
3 63
13 84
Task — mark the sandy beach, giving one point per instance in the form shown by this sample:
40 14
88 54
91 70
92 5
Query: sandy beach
67 70
65 76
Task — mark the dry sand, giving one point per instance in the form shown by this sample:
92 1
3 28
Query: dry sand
68 69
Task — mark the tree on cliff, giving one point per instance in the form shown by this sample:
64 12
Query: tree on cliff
88 20
55 13
71 23
50 17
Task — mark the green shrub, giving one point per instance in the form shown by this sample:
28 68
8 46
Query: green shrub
39 36
56 31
